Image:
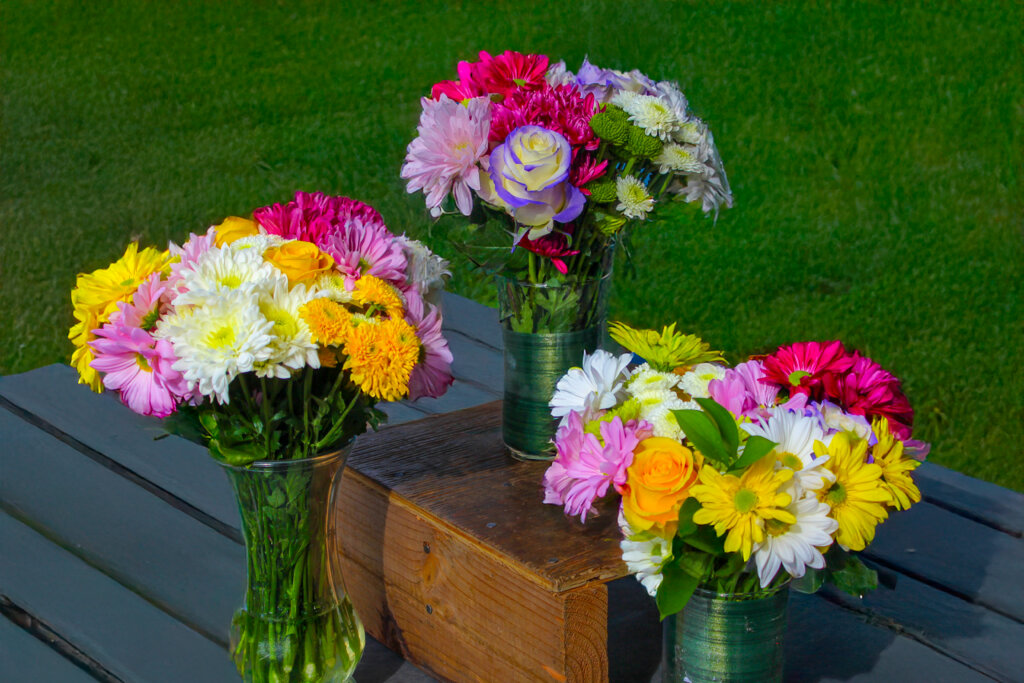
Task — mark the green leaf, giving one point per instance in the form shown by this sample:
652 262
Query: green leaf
675 590
706 540
757 447
686 512
726 424
237 455
854 577
186 424
702 432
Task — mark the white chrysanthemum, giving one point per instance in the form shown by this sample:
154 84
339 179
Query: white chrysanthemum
332 286
795 434
691 132
655 115
220 271
292 346
676 158
634 200
217 341
595 386
674 99
696 381
645 377
427 270
258 243
656 406
644 554
794 547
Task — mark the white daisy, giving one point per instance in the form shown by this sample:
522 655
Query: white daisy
258 243
696 381
644 554
634 201
592 387
675 158
217 341
795 434
220 271
655 115
794 547
292 345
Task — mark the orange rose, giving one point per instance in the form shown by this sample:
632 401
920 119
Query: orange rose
300 261
235 228
657 483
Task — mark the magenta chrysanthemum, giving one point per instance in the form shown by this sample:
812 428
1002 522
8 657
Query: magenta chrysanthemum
315 217
561 109
800 368
447 155
138 366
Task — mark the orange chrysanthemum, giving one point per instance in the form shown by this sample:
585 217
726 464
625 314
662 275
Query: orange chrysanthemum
329 322
373 293
381 356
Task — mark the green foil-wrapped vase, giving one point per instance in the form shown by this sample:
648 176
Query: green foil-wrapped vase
546 329
727 638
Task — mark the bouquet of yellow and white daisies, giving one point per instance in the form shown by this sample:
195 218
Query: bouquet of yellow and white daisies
734 479
276 335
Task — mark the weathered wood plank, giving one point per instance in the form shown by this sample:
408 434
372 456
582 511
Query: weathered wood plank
130 637
23 657
459 396
476 363
472 319
990 504
455 468
955 554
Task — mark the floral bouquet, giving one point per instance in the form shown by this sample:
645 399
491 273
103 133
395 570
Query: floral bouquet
551 166
734 479
270 340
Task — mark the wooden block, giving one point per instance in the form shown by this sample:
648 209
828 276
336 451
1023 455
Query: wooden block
452 559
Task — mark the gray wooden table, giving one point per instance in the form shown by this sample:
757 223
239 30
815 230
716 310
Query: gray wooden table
121 559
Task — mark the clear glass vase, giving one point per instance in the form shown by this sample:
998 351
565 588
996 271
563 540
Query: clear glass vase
728 638
297 623
546 328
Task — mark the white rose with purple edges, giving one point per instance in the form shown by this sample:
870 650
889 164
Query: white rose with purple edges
529 173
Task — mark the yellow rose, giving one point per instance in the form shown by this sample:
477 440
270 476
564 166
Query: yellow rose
235 228
657 483
300 261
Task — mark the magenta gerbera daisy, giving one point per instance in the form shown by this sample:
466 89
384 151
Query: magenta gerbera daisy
432 375
800 368
868 389
553 246
511 71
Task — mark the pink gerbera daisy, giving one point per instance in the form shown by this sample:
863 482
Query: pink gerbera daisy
511 71
467 87
432 375
800 368
448 154
138 366
148 304
185 256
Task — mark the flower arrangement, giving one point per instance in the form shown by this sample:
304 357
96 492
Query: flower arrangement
734 478
276 335
551 166
270 340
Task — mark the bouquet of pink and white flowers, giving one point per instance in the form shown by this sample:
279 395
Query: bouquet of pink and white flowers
277 333
734 478
551 166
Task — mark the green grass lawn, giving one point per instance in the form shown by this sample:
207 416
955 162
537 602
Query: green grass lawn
874 152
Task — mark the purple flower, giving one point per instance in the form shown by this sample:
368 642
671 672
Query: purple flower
432 376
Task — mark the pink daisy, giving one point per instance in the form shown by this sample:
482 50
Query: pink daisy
185 256
447 155
138 366
148 303
467 87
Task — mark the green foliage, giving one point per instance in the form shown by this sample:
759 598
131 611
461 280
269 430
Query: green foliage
873 150
713 432
849 573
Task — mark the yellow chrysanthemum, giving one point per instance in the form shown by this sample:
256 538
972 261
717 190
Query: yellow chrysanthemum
381 356
741 505
896 467
667 350
95 298
328 321
376 294
859 495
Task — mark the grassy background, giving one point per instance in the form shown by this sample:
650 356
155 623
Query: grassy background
874 152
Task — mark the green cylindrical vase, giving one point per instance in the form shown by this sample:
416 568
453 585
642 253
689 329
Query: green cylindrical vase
297 623
546 329
726 638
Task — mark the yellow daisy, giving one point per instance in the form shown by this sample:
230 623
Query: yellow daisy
665 351
95 298
377 295
859 495
329 321
896 468
381 356
741 505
